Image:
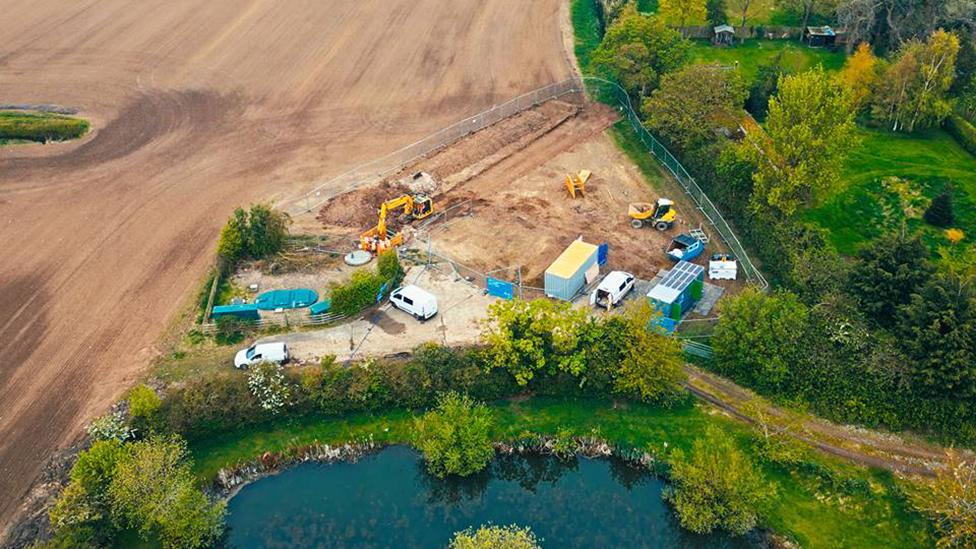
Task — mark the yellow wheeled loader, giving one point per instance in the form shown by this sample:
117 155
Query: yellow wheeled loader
661 215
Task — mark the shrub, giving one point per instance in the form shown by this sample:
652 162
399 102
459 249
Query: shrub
495 537
760 357
940 212
144 406
364 287
454 437
231 330
111 426
210 405
40 127
267 383
357 294
716 486
963 132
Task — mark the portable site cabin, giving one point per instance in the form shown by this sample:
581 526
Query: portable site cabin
572 270
244 311
677 293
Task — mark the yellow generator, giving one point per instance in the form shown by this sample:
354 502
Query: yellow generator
381 237
661 214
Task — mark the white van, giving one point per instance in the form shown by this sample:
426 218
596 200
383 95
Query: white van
612 289
415 301
261 352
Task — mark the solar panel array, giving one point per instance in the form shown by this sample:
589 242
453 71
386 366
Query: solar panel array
682 275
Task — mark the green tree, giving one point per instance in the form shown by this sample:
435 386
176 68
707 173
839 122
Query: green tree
454 437
758 340
257 233
526 337
811 123
888 271
649 367
144 405
82 510
940 212
233 238
495 537
692 102
717 12
717 486
637 49
938 333
682 13
267 230
916 83
153 491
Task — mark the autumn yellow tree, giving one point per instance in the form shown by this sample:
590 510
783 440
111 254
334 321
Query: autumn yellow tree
682 13
860 75
950 501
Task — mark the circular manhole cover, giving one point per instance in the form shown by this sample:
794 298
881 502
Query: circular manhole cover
357 258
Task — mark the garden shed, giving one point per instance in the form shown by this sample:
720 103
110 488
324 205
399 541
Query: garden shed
572 270
820 37
677 293
723 35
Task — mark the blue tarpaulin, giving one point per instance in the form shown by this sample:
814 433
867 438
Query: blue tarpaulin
500 288
321 307
286 299
601 253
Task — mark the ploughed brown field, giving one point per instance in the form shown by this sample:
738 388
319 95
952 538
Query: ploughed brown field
196 108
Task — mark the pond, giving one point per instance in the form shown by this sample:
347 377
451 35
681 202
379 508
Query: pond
388 500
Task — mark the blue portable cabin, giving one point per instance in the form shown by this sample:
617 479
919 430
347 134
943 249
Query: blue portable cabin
244 311
677 293
567 274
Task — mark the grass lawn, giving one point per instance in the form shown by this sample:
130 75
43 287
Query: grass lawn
805 508
873 203
750 55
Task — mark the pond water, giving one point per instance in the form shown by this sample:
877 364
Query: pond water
388 500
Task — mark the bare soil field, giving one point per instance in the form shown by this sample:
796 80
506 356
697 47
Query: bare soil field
197 108
507 203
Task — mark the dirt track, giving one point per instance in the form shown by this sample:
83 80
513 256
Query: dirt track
198 108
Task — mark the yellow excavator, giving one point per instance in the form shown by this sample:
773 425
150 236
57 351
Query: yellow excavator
381 237
661 214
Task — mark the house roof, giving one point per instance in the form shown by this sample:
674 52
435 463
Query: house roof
569 262
724 28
